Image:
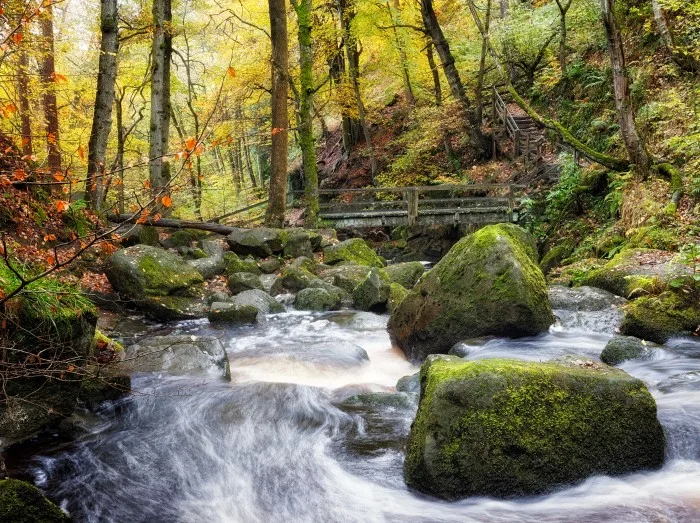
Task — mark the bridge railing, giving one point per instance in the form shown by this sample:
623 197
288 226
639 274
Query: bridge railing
407 204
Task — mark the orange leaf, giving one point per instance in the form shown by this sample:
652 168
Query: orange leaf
61 205
65 189
49 237
17 38
81 153
5 181
191 144
147 184
166 201
231 72
59 176
277 130
19 174
50 260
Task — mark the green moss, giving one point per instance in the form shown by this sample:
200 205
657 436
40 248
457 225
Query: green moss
555 256
623 348
397 293
22 502
235 264
355 251
659 318
508 428
488 284
625 276
100 337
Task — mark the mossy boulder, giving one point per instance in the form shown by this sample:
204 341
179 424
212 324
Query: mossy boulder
555 256
262 301
142 270
346 277
233 264
372 293
270 265
406 274
397 294
138 235
635 272
22 502
173 308
244 281
231 313
210 266
660 318
355 251
488 284
261 242
508 428
306 263
294 279
623 348
319 300
301 242
183 238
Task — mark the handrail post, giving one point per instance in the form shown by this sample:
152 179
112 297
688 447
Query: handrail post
516 144
511 203
412 201
527 153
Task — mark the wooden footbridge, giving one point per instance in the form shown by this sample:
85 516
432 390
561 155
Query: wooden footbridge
394 206
516 136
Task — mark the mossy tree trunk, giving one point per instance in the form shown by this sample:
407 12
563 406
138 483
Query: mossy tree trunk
437 88
564 6
634 144
274 215
48 80
401 49
685 60
307 142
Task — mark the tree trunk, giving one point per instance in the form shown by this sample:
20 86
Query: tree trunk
433 28
104 98
235 174
23 95
159 168
274 215
48 78
435 72
303 9
479 95
121 146
347 15
504 8
684 60
563 6
636 149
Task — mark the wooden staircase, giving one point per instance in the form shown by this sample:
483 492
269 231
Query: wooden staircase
521 140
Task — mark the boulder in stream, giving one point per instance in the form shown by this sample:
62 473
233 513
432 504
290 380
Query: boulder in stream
488 284
623 348
662 317
508 428
261 300
244 281
405 274
372 293
178 354
260 241
232 314
234 264
318 300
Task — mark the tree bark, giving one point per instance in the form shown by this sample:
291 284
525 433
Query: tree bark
48 78
437 88
274 215
433 28
23 95
307 142
161 50
104 98
479 95
635 146
563 6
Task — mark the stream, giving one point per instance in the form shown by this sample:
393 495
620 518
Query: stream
288 440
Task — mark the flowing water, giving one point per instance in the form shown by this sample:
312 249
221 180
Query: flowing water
289 440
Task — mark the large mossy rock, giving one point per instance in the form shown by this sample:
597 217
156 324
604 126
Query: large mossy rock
261 242
261 300
397 294
509 428
301 242
635 272
232 314
660 318
22 502
405 274
488 284
347 277
623 348
355 251
142 270
213 263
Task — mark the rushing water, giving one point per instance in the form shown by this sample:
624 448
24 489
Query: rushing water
283 443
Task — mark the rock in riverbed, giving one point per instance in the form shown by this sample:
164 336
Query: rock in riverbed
509 428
